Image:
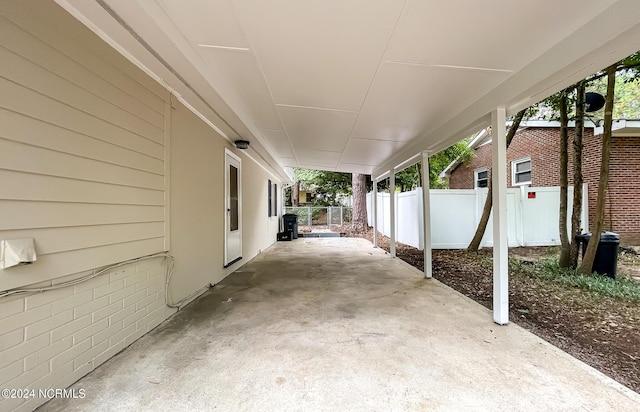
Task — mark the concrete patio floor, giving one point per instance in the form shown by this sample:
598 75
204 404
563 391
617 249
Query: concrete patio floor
334 324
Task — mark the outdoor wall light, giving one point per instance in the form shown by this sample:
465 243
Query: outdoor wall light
594 101
242 144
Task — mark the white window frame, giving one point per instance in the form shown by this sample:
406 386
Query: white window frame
516 162
475 177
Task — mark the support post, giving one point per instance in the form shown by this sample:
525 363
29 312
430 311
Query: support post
392 212
374 208
426 217
500 243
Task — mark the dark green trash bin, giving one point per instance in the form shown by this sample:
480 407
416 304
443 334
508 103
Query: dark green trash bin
606 260
290 221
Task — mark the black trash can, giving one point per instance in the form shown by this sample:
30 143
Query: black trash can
290 221
606 260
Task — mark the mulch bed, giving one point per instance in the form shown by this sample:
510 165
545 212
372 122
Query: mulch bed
600 331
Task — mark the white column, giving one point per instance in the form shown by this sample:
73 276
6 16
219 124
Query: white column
374 209
392 212
500 244
426 217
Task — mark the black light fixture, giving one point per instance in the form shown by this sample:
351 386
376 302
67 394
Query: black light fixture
593 102
242 144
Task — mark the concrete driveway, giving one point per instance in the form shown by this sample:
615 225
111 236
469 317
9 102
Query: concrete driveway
334 324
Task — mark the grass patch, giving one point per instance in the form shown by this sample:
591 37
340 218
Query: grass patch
621 288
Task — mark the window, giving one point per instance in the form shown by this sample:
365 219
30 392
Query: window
308 197
269 200
272 195
275 199
481 178
521 172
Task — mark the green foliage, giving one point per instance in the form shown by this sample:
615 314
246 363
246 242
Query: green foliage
411 177
548 269
626 104
626 99
327 186
439 161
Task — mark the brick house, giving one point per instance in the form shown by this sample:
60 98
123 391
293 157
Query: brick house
534 157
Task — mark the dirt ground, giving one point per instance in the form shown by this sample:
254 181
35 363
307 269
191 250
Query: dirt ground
600 331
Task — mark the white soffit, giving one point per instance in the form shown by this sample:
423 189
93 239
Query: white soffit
318 159
279 142
318 129
420 96
363 85
319 53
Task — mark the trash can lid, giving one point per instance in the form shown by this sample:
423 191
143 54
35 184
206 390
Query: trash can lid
584 236
609 236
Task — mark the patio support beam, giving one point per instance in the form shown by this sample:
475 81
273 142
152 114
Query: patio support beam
374 211
392 212
426 217
500 243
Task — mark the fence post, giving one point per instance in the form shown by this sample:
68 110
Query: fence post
329 221
309 216
341 216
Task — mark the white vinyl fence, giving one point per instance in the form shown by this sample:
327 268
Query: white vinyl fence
532 216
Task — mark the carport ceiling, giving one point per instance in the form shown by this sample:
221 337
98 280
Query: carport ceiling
362 85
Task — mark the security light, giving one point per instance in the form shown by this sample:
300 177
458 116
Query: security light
242 144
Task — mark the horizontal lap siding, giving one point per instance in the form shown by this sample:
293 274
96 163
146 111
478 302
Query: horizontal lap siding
82 156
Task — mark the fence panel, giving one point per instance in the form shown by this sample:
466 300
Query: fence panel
454 218
532 216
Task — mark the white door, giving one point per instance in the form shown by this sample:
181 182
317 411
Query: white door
233 209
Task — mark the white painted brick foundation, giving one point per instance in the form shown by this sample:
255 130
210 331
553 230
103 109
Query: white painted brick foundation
53 338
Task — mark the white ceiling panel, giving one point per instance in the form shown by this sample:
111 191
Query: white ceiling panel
289 162
407 99
319 53
209 22
493 34
279 141
240 70
345 167
368 152
318 159
362 85
318 129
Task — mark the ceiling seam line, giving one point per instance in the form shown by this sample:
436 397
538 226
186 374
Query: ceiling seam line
380 62
264 78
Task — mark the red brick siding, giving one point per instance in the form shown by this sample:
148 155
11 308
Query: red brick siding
542 146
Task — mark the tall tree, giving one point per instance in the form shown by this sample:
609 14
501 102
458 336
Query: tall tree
486 210
590 253
295 194
576 213
359 205
565 245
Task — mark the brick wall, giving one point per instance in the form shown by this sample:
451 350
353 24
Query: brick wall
622 212
51 339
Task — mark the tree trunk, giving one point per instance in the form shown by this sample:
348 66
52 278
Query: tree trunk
577 177
486 210
565 245
484 220
590 253
359 189
295 194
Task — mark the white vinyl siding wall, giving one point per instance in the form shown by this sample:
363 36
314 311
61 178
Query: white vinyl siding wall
82 148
